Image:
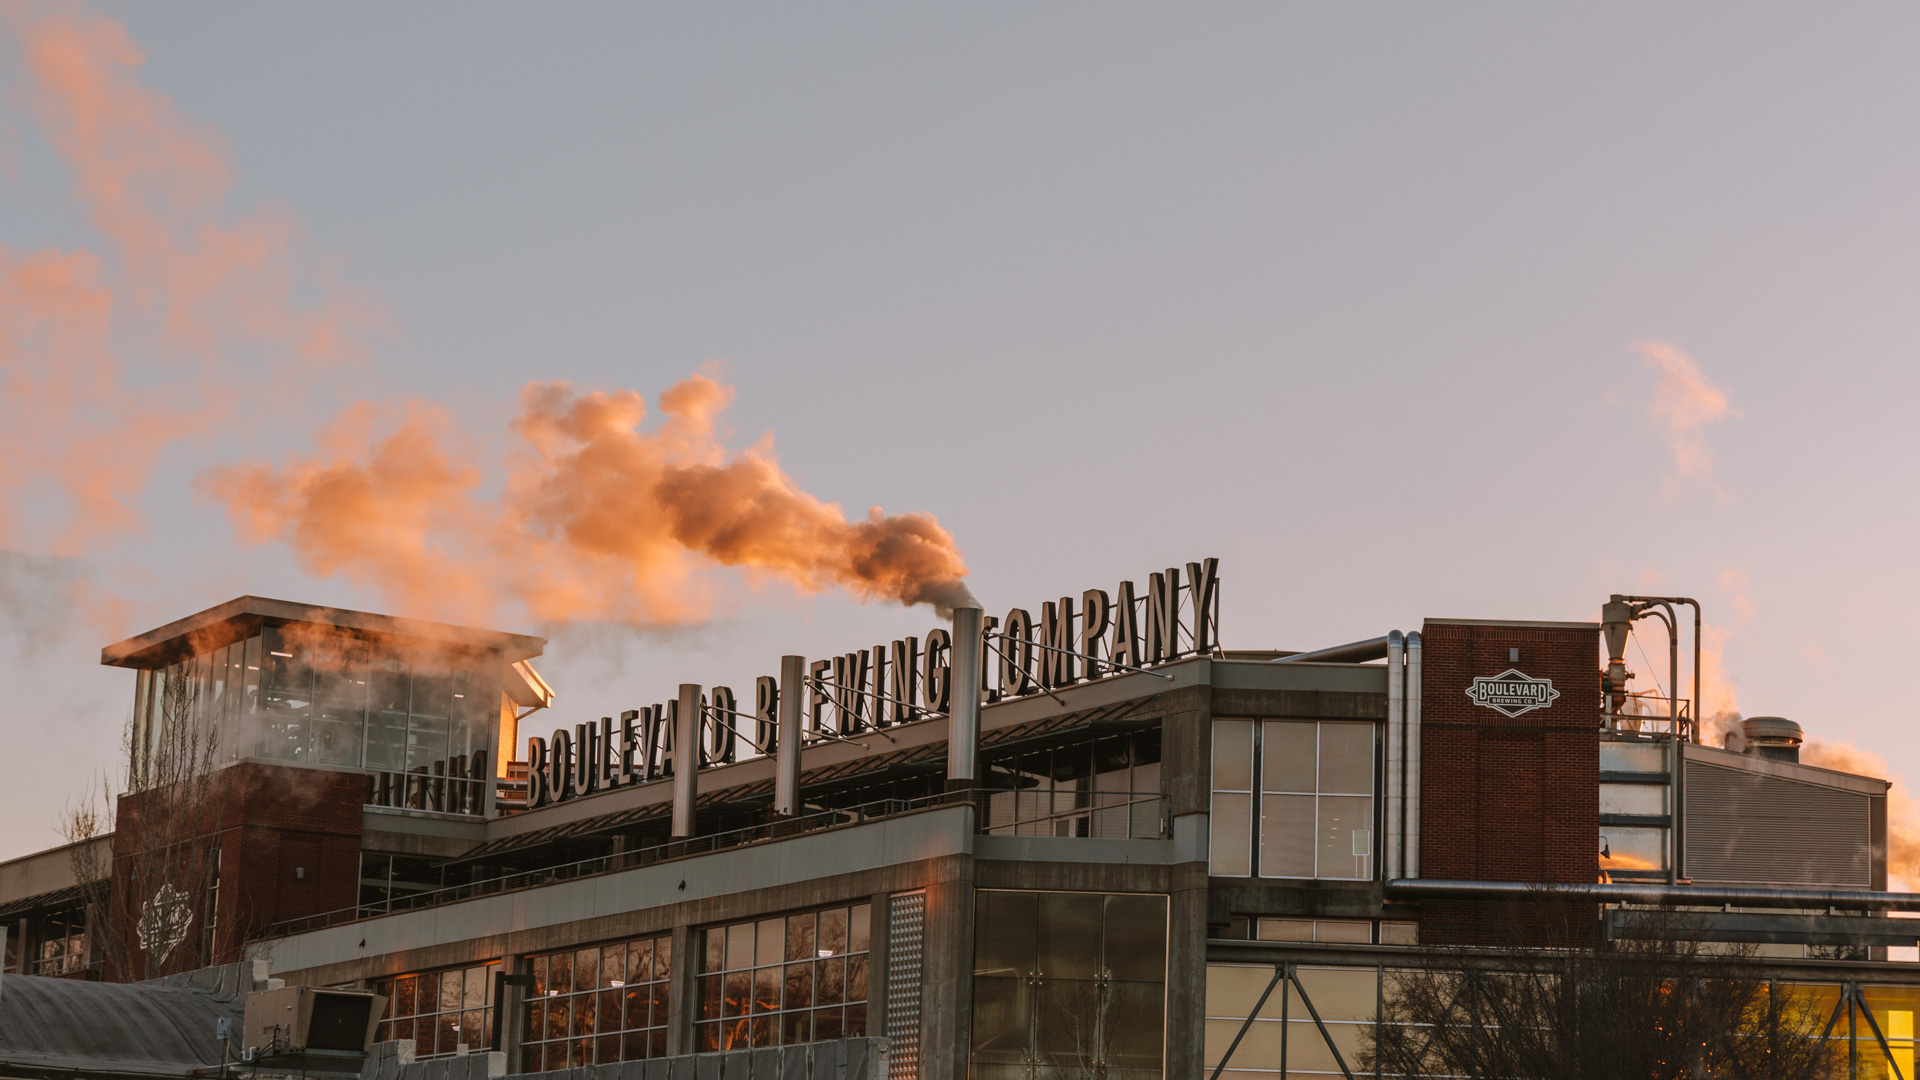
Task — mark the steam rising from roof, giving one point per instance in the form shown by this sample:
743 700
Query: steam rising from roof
601 518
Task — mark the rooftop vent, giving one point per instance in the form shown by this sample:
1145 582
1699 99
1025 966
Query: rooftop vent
1772 737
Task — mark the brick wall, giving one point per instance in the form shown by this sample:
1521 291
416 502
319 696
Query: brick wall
289 845
1507 798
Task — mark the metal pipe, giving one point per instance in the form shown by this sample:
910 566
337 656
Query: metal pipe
1654 893
963 712
1412 862
1396 754
1354 652
786 746
686 758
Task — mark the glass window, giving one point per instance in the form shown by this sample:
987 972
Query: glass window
1231 821
443 1012
287 698
1315 803
1642 799
339 709
784 980
1633 757
1632 848
1077 980
599 1005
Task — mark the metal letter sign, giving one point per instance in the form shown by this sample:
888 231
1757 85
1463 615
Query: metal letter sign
1512 693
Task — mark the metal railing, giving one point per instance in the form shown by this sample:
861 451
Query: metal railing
1106 814
1095 815
1647 714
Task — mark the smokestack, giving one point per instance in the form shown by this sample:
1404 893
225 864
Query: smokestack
786 748
1773 737
686 759
963 715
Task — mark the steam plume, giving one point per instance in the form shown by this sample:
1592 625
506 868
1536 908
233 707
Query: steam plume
1684 402
599 519
1903 815
175 282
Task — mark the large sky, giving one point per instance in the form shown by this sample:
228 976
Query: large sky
1402 311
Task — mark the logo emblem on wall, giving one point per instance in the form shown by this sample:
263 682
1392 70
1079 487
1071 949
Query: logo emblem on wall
163 922
1512 692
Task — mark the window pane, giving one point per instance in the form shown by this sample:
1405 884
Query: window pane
1633 757
1136 937
1287 755
739 946
859 925
1633 848
1070 935
1232 845
800 937
1005 930
1136 1014
662 956
475 994
832 938
1285 929
386 715
1233 755
1646 799
613 965
1286 836
1001 1008
1346 758
586 969
1346 930
770 947
799 986
1346 837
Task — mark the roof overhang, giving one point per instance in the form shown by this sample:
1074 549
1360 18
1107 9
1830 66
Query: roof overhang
220 624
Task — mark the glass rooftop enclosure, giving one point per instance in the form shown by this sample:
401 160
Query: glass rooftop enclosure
415 706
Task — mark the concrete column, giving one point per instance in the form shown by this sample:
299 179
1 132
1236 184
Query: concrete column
946 1001
681 1007
786 763
1187 971
686 759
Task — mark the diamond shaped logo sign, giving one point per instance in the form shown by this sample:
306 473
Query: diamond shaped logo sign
163 922
1512 692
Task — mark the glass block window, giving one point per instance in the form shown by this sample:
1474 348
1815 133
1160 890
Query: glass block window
1293 799
443 1012
597 1006
785 980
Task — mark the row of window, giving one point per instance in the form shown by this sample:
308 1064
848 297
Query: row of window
310 695
769 982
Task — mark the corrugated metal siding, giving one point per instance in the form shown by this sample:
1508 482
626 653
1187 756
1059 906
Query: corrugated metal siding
1749 828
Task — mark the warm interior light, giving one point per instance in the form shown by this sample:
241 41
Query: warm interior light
288 655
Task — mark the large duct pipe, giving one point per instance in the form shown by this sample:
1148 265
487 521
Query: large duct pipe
1655 893
786 748
963 714
686 758
1356 652
1412 862
1396 754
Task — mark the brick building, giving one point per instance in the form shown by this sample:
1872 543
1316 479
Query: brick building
1130 849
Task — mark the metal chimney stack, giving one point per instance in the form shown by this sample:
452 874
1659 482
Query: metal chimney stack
786 749
963 714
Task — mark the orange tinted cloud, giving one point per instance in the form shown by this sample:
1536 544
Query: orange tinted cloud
108 356
1684 403
601 518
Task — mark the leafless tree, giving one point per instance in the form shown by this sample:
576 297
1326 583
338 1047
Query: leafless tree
150 892
1566 1005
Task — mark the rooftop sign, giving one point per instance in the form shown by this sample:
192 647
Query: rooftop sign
1076 639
